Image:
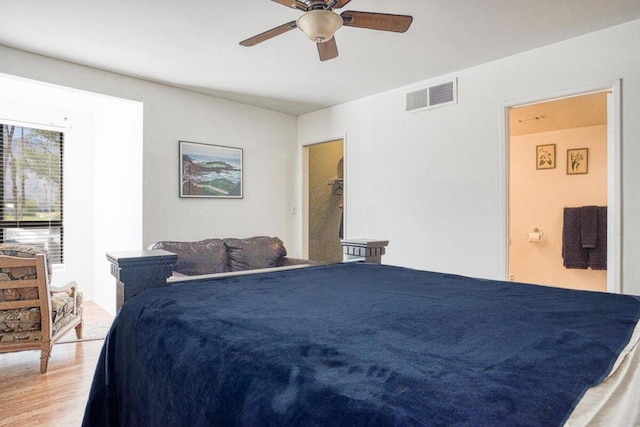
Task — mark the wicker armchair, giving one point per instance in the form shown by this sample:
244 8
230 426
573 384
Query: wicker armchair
34 315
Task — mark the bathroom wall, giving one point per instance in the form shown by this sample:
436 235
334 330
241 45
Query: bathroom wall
537 198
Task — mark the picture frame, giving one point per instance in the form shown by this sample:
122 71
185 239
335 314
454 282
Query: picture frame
546 156
210 171
577 161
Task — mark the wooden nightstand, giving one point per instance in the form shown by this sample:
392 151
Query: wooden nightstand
367 250
137 271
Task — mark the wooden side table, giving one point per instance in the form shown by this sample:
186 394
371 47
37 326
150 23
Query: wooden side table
137 271
369 249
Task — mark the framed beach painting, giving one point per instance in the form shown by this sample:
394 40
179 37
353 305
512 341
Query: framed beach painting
212 171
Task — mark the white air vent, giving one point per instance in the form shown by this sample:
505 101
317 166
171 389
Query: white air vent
433 97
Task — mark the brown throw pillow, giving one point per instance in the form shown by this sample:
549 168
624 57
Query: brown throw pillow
204 257
254 252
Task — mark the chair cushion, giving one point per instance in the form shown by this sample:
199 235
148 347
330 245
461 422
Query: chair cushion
16 294
20 320
204 257
24 324
25 251
254 252
20 273
61 305
61 311
20 336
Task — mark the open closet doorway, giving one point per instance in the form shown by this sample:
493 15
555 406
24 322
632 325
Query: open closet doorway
325 195
558 165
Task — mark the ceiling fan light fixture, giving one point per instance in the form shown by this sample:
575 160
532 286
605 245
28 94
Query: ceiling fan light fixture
319 25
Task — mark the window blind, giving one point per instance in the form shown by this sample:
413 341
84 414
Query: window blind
31 209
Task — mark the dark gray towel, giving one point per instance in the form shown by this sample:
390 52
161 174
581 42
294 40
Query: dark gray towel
598 255
573 254
589 226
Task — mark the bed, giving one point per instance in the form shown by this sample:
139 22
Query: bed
363 345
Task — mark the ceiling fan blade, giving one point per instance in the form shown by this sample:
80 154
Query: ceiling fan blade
252 41
293 4
328 50
377 21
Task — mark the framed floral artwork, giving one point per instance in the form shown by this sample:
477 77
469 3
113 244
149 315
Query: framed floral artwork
577 161
546 156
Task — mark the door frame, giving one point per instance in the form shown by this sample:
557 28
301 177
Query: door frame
614 175
304 196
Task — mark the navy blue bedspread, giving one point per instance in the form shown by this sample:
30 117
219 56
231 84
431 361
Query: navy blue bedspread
356 345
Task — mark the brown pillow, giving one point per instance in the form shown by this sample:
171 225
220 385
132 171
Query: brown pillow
254 252
204 257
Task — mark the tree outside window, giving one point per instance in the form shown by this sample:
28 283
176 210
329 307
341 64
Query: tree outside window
31 188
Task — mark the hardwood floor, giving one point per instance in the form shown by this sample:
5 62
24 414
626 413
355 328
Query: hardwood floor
57 398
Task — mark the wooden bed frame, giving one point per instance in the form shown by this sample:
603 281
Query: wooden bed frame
137 271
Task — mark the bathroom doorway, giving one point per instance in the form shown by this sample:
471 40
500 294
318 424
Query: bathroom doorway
558 160
326 198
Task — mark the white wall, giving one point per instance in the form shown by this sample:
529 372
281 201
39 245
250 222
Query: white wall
170 114
97 130
78 206
117 191
433 182
269 154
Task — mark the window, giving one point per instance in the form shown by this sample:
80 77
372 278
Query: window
31 188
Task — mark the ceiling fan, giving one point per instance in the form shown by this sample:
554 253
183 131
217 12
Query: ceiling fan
320 22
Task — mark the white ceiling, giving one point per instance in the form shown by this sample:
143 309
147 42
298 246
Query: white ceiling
565 113
194 43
